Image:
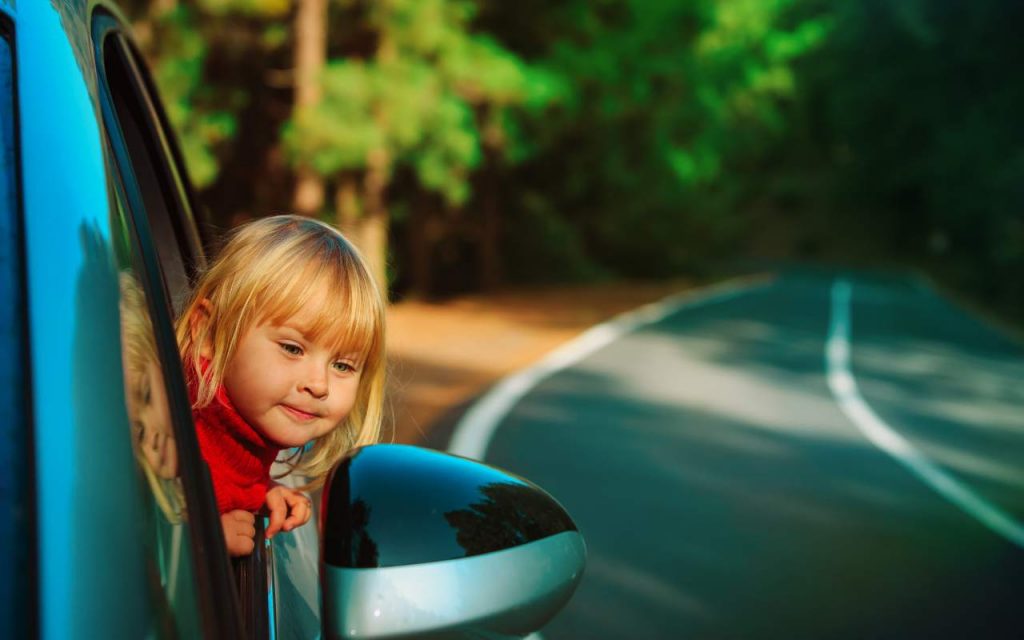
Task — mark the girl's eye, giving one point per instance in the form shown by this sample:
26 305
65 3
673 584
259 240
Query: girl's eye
343 367
291 349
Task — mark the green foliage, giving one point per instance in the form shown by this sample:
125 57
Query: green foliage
270 9
923 133
544 247
669 108
200 114
339 133
431 96
645 136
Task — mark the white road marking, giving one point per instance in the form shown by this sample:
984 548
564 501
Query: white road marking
844 389
475 429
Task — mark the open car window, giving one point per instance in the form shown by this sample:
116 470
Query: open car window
158 173
160 253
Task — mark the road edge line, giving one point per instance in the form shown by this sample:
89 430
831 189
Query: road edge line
847 395
476 427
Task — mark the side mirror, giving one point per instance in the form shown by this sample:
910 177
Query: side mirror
418 542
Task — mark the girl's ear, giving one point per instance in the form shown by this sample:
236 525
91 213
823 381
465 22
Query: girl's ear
199 324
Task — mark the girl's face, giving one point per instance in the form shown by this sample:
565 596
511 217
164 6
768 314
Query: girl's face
288 386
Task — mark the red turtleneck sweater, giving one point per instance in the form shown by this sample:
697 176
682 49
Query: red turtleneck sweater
239 457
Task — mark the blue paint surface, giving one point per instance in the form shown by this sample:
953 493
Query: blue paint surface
91 570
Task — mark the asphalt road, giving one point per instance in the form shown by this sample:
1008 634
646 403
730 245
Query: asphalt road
725 493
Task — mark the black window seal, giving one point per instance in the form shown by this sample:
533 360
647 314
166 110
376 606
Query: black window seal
251 575
200 221
27 607
189 233
218 597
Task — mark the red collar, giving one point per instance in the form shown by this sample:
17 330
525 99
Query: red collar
239 456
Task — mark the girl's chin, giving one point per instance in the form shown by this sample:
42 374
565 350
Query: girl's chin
285 438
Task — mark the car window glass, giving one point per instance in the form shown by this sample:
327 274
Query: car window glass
155 448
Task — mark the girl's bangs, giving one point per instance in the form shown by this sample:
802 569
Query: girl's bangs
346 315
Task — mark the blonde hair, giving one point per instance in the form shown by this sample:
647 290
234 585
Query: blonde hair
140 354
269 270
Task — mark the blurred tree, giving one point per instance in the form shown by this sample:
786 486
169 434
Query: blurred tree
310 37
212 60
422 94
201 114
546 141
923 134
673 106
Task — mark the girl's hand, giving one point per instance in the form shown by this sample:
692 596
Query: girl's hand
288 509
239 530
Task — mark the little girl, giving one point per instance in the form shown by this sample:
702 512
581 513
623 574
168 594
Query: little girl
283 347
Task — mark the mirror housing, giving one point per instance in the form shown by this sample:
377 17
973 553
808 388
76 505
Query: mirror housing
422 543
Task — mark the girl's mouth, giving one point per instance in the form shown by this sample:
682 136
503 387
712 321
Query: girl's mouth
299 414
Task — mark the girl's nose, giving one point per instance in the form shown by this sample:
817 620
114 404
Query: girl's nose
316 383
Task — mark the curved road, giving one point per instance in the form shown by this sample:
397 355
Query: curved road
726 491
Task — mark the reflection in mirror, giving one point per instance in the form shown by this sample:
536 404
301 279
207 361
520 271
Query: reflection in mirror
510 514
419 543
146 400
364 549
460 508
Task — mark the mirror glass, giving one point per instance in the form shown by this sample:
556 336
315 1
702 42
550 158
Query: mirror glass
459 508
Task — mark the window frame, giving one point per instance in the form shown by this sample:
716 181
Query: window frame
158 184
217 595
198 229
22 525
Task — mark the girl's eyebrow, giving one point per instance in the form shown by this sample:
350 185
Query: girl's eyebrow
303 332
352 354
291 327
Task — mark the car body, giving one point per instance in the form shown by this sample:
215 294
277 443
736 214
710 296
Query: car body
100 205
108 524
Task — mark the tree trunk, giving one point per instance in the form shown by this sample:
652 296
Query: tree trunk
490 223
374 224
346 206
489 228
425 229
310 57
348 213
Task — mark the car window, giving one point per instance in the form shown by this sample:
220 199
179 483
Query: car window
161 180
17 553
161 253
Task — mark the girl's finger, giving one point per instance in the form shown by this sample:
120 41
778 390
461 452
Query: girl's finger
278 511
290 521
241 545
300 512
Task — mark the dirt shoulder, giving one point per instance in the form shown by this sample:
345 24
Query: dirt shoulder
445 354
